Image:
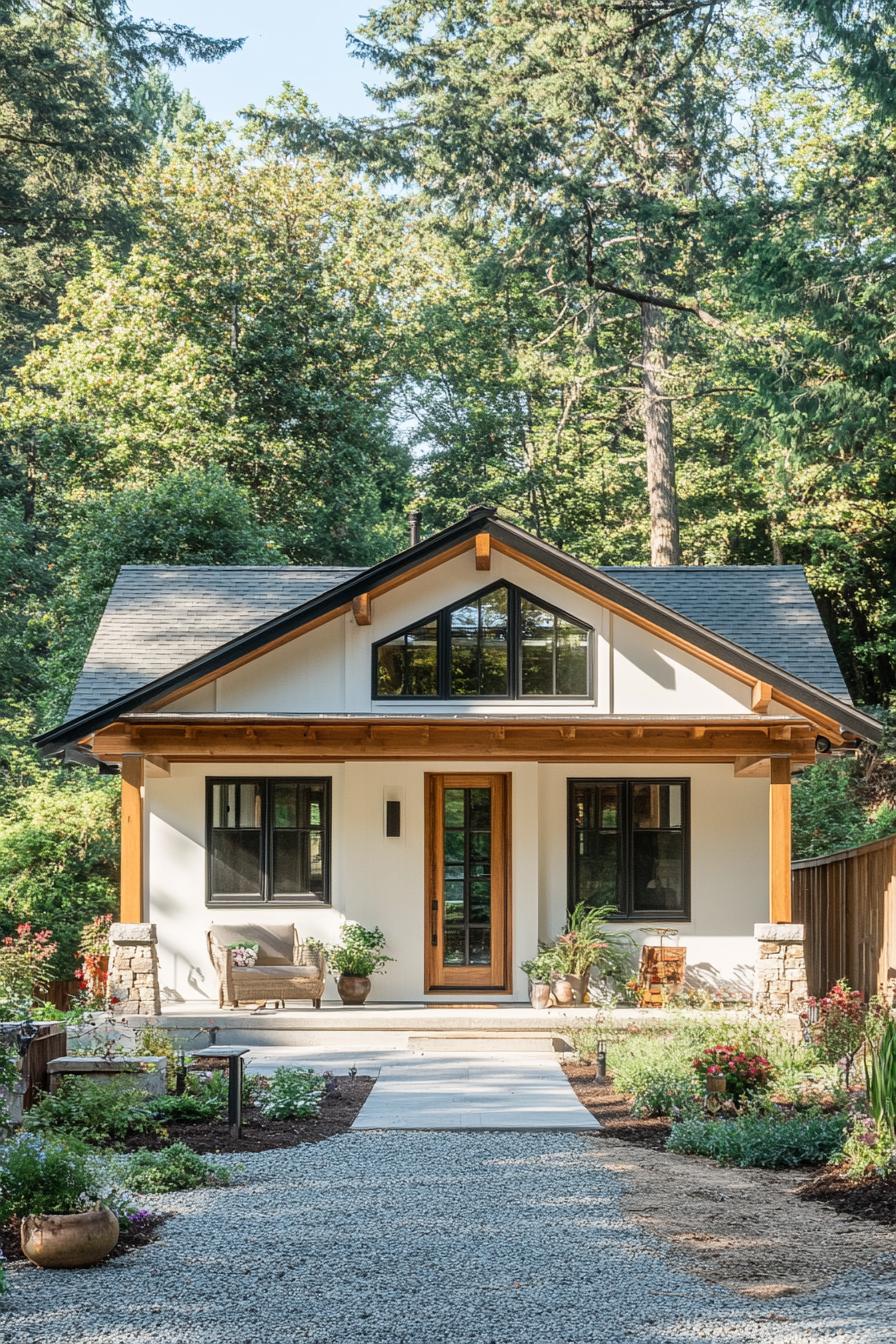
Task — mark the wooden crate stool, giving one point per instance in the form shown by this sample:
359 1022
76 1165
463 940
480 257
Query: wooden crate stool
660 968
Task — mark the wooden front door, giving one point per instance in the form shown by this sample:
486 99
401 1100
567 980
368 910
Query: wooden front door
467 882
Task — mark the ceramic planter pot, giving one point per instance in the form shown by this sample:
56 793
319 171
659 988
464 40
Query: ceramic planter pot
579 986
562 990
353 989
539 994
69 1240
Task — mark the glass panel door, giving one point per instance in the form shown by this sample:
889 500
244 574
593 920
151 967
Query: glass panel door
467 885
467 896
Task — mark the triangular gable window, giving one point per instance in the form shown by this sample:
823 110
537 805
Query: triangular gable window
498 643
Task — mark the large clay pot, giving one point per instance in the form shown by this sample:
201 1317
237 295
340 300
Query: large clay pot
69 1240
562 991
353 989
539 994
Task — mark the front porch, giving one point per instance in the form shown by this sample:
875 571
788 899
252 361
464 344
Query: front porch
725 786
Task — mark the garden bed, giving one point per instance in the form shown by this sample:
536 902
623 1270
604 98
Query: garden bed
613 1110
873 1197
260 1133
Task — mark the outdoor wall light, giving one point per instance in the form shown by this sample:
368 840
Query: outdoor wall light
822 745
393 818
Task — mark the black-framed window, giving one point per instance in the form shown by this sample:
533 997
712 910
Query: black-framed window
496 644
629 846
479 645
268 841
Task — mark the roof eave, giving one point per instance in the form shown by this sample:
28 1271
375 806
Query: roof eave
477 520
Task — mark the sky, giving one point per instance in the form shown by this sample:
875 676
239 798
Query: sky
302 41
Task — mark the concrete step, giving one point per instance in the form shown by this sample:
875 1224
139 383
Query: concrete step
485 1041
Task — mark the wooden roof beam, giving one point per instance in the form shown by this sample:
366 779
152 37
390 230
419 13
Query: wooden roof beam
761 697
752 767
362 609
483 550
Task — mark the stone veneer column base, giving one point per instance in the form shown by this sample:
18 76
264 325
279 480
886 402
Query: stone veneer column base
779 978
133 985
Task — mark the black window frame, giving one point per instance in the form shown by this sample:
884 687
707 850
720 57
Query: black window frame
266 866
625 785
442 621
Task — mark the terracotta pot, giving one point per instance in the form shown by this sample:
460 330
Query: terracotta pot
539 994
562 991
353 989
579 985
69 1240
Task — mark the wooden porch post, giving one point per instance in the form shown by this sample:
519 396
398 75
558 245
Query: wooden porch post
780 907
131 906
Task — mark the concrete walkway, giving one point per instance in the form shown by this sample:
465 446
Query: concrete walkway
438 1090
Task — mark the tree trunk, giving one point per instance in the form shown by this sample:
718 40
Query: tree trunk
657 411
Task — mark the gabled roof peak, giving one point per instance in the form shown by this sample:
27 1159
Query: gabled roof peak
273 603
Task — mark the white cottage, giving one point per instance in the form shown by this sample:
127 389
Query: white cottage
457 744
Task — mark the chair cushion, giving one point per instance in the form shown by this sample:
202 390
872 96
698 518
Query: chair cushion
275 941
241 973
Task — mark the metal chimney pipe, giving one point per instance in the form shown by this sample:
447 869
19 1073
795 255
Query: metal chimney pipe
414 521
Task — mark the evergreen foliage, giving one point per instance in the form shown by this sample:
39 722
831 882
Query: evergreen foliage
581 258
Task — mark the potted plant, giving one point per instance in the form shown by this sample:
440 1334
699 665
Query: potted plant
539 970
356 958
583 946
54 1190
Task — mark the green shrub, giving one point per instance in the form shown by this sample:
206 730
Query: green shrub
156 1041
97 1113
292 1094
191 1108
661 1093
176 1167
869 1149
657 1062
43 1175
762 1139
214 1084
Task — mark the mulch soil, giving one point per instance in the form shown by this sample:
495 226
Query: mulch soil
611 1109
338 1109
873 1198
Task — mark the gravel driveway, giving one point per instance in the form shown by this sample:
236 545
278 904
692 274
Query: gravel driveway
480 1237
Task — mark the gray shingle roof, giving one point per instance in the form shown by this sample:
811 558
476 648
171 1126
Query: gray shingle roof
160 617
767 609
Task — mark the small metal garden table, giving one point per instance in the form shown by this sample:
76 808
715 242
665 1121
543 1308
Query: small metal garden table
234 1056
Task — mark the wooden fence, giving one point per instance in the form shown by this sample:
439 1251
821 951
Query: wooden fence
847 902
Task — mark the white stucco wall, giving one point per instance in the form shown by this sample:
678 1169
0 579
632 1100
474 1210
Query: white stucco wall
329 669
381 881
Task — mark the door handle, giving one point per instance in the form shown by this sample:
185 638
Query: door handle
434 929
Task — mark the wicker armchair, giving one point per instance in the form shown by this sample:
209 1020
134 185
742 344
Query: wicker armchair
286 967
